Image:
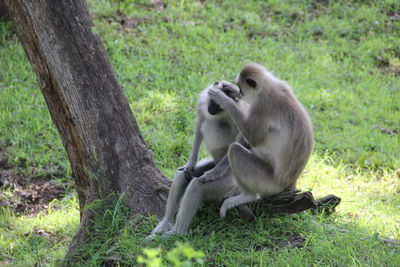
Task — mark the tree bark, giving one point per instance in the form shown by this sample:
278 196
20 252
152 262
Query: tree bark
98 130
87 104
3 12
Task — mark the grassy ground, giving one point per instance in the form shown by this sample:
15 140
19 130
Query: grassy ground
341 57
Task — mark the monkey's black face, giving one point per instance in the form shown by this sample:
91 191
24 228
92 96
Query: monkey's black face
214 108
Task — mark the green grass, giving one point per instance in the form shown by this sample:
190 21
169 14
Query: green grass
40 240
341 59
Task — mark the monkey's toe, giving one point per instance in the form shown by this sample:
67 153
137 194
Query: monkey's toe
150 237
169 234
222 211
163 226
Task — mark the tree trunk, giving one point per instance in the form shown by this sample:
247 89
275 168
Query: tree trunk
3 12
86 102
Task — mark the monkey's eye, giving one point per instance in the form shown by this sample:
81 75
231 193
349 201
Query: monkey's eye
251 83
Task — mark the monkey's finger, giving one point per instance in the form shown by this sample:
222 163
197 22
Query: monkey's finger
217 96
169 234
204 181
187 171
229 86
213 91
188 175
201 179
235 95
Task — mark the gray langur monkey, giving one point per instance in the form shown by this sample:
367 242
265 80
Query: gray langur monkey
218 131
278 130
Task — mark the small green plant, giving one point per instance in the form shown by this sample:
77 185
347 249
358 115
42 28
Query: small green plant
181 256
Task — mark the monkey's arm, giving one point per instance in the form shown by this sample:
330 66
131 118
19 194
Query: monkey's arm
222 166
217 172
236 114
188 168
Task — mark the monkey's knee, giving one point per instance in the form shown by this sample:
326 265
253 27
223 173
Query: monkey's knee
236 148
233 149
202 166
234 152
195 187
181 178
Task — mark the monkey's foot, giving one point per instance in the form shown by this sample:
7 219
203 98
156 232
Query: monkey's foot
163 226
168 234
224 208
150 237
171 233
235 201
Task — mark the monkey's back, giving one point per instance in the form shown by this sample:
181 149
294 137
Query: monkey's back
289 136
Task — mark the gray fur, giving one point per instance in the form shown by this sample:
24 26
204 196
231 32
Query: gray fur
278 129
218 132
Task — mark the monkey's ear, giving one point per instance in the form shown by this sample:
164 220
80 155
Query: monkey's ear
251 83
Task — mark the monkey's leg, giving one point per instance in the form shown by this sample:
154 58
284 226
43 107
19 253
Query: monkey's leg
244 211
253 175
175 194
195 193
217 172
236 201
202 166
222 167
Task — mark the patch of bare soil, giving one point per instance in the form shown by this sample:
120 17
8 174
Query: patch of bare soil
23 194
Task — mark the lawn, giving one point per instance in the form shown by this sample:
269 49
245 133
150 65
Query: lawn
341 57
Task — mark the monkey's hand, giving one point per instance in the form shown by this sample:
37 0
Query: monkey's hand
208 176
187 170
230 89
220 98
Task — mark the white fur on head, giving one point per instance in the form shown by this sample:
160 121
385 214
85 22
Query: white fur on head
260 75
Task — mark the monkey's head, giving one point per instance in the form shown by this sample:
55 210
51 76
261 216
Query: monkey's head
232 92
251 80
